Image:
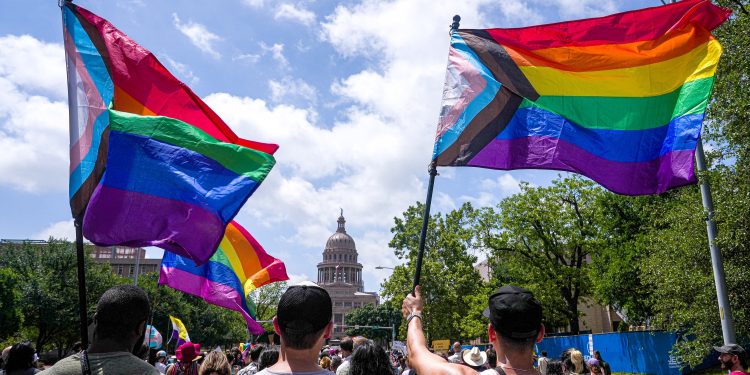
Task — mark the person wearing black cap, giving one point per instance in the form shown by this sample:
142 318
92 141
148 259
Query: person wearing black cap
733 358
515 325
303 322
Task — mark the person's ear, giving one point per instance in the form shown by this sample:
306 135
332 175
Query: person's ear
276 326
328 330
491 332
541 333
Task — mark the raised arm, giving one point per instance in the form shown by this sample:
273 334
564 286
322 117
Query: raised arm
420 357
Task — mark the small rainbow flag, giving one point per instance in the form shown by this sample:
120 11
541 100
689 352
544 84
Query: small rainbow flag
619 99
239 266
176 174
179 332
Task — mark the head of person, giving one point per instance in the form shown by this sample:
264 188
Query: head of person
456 347
574 362
474 358
268 358
4 356
597 355
515 320
161 356
347 346
303 317
554 368
594 366
188 353
732 357
544 353
121 316
370 359
335 363
325 362
255 352
20 357
215 363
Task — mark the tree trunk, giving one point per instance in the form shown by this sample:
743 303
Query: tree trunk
573 316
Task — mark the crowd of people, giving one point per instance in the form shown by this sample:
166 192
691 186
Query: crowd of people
304 324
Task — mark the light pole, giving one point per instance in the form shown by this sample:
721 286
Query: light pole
393 327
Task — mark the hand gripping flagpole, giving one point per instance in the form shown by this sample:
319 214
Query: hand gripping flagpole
428 200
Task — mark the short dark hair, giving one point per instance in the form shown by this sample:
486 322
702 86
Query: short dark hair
544 353
491 357
370 358
120 310
268 358
347 344
255 351
20 357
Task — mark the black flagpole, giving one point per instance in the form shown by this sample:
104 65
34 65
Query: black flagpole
80 255
428 200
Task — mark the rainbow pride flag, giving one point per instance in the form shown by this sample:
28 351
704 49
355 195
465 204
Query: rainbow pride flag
619 99
239 266
179 331
174 187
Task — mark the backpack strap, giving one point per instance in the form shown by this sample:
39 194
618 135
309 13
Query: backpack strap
499 370
85 367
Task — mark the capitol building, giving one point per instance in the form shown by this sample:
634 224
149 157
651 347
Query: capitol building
340 274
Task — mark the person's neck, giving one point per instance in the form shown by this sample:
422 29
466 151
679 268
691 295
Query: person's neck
297 360
109 346
519 361
737 367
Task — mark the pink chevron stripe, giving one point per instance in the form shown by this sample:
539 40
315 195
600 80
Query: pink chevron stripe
460 74
81 141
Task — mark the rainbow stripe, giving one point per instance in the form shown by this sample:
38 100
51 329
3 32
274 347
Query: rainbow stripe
239 266
620 99
174 187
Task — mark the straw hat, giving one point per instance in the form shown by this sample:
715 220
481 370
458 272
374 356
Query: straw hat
474 357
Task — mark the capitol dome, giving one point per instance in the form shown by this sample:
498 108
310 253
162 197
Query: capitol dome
340 240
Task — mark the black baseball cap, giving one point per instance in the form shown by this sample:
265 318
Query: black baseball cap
304 308
732 349
514 312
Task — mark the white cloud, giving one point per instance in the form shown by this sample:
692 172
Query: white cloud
505 184
276 51
59 230
289 88
253 3
33 128
36 66
198 35
251 58
295 279
572 9
296 13
180 70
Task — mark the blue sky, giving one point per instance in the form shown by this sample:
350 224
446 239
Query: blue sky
349 90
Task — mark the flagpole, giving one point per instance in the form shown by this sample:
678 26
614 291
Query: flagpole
428 201
725 312
80 254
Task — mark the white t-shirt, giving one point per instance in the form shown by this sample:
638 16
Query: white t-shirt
269 372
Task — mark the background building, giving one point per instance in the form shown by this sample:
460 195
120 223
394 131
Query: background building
341 276
126 261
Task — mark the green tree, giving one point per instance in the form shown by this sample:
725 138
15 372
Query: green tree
266 299
376 316
542 238
49 289
10 303
449 280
